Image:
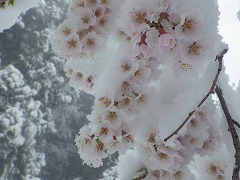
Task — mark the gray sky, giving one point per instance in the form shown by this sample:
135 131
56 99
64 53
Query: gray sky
230 30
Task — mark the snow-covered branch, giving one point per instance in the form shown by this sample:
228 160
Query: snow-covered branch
235 137
212 89
148 64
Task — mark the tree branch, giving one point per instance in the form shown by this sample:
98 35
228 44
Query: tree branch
142 176
235 137
219 58
236 123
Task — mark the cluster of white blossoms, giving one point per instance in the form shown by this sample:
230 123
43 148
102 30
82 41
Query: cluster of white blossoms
81 39
148 64
178 33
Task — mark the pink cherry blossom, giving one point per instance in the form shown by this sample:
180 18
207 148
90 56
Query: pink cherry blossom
99 11
138 49
86 18
166 42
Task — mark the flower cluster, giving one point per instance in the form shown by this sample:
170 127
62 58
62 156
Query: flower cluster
145 83
218 166
113 111
80 37
171 161
81 34
171 32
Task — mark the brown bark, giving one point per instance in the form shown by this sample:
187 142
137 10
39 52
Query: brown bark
235 137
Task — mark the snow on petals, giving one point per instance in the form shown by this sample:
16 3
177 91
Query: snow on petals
166 42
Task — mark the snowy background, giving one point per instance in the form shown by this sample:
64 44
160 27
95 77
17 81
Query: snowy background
229 27
39 113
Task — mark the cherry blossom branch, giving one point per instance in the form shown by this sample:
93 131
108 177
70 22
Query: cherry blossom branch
235 137
219 59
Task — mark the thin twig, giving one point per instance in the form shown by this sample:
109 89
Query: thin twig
236 123
219 58
235 137
142 176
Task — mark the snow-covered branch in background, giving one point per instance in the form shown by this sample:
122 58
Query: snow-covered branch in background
21 121
11 9
148 64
